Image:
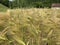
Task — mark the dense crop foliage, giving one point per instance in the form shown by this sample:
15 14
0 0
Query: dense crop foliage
30 27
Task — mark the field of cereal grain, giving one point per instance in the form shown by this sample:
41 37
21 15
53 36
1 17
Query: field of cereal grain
30 27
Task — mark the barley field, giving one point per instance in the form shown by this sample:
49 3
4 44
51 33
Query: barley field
30 27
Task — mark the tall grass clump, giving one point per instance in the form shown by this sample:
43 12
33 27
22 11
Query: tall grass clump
30 27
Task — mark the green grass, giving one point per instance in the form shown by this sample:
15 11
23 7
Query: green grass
3 8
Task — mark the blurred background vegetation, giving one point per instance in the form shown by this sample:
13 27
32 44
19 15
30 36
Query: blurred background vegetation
29 3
